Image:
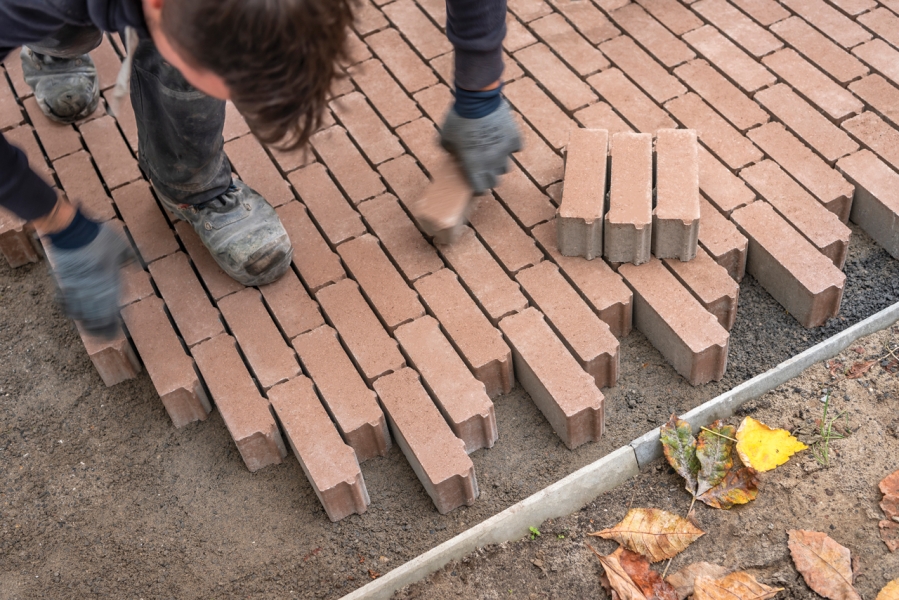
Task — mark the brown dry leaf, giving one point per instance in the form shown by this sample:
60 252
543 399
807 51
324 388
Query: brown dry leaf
740 486
619 580
859 369
650 583
683 580
736 586
890 489
652 532
890 507
825 565
889 532
889 486
890 592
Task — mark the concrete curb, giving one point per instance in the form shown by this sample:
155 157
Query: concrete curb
574 491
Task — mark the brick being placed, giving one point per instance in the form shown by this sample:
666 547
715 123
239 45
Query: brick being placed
442 210
350 403
721 239
461 398
709 283
628 222
876 205
675 219
114 358
436 455
789 267
579 220
193 313
689 337
246 414
15 241
329 464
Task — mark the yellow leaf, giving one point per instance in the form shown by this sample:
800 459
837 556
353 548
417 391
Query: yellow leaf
890 592
736 586
763 448
654 533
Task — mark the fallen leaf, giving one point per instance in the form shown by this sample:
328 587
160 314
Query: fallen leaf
859 369
889 533
890 507
739 487
679 446
714 450
650 583
889 486
619 580
652 532
836 368
825 565
764 448
736 586
683 580
890 592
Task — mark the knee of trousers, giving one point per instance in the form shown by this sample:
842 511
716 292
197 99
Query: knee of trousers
71 41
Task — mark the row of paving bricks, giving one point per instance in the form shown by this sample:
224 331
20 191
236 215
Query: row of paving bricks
378 335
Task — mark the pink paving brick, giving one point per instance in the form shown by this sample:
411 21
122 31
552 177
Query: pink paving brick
642 68
803 280
461 398
15 241
317 264
445 67
565 394
494 291
725 97
366 128
883 23
437 456
738 66
373 351
246 414
586 336
329 208
436 102
536 157
766 12
257 170
720 238
422 139
819 226
293 159
353 406
822 181
709 283
126 120
409 19
109 151
135 283
602 116
523 199
10 112
235 125
217 281
689 337
289 302
389 100
367 18
881 57
528 10
514 248
855 7
23 138
628 222
587 19
146 224
559 80
876 205
171 370
443 207
738 27
808 124
675 218
580 55
877 92
14 69
412 73
579 224
672 14
352 172
435 8
57 139
832 59
107 62
539 110
650 34
82 185
721 187
636 107
517 35
329 464
197 320
830 21
877 135
114 358
357 51
405 179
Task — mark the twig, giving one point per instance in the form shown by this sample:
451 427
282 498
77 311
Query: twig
665 572
719 434
631 501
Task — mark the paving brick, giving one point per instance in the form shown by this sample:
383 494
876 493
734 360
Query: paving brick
541 112
587 19
559 80
461 398
367 18
82 185
523 199
876 205
107 62
246 414
579 224
650 34
602 116
877 92
513 248
766 12
628 222
804 281
720 238
14 69
435 8
412 73
517 35
823 182
436 102
114 358
830 21
257 170
352 405
350 169
366 128
725 97
317 264
23 138
565 394
146 224
126 120
330 209
722 188
675 218
642 68
832 59
738 66
217 281
373 351
235 125
193 313
580 55
877 135
445 204
528 10
536 157
808 124
109 151
881 57
610 5
389 100
819 226
445 66
672 14
710 284
854 7
409 19
289 302
15 241
330 465
135 282
511 70
883 23
422 139
170 369
636 107
437 456
357 51
57 139
405 179
10 112
293 159
738 27
718 135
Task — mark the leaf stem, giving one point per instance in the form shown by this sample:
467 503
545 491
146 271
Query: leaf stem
719 434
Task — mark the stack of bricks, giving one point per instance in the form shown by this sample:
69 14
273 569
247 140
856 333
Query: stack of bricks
794 105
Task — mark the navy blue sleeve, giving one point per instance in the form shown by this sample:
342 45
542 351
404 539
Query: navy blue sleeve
22 191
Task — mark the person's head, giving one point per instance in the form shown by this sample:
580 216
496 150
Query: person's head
275 59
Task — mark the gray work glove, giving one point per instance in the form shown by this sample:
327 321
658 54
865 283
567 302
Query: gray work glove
482 145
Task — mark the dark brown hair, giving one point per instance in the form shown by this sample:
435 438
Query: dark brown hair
278 57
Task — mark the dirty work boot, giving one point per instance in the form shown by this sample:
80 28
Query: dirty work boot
66 89
242 232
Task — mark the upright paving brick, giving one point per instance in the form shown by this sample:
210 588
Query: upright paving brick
725 97
724 189
366 128
803 280
738 66
881 57
479 344
235 125
738 27
539 110
766 12
877 135
436 455
517 36
170 369
511 245
114 358
108 149
330 209
689 337
650 34
145 221
672 14
412 73
579 220
15 241
876 205
389 100
675 218
436 101
10 113
256 169
565 394
528 10
216 280
882 97
642 68
442 210
720 238
586 18
405 179
569 44
193 313
289 302
350 403
135 284
409 19
421 137
368 18
564 85
82 185
524 199
330 465
832 59
461 398
23 138
352 172
246 414
628 223
317 264
602 116
57 139
635 106
830 21
536 157
709 283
